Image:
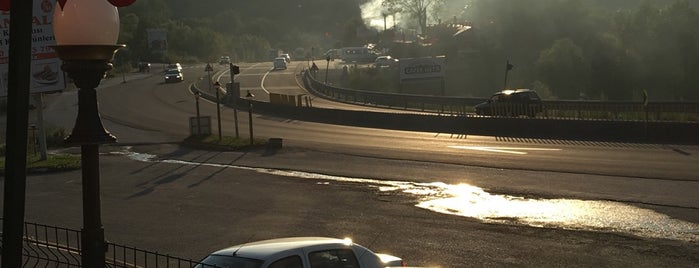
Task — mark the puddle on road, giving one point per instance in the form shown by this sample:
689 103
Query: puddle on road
470 201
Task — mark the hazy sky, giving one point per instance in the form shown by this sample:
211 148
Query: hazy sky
371 13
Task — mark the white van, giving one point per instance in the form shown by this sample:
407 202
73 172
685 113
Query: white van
279 63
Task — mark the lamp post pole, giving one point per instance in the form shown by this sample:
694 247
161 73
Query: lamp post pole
218 108
15 176
233 70
86 65
508 67
86 32
196 100
327 65
250 96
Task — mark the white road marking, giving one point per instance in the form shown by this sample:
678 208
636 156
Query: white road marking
507 150
262 82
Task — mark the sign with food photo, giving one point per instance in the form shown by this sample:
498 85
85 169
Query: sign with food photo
46 73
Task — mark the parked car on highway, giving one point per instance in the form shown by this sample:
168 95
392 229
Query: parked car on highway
301 252
512 103
173 75
385 61
279 63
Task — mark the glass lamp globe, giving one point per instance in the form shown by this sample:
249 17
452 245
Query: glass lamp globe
86 22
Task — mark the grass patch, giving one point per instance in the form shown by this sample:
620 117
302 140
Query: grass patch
53 162
225 143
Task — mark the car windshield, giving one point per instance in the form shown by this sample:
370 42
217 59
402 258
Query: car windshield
230 262
172 72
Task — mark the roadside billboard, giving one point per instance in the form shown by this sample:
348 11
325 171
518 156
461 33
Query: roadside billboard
46 73
157 40
422 68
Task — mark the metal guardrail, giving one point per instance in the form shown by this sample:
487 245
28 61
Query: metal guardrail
463 106
52 246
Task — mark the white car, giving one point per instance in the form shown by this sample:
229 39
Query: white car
175 66
299 252
286 57
385 61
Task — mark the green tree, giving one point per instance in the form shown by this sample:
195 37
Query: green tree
417 9
612 69
564 69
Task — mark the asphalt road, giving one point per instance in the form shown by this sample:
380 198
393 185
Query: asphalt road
190 209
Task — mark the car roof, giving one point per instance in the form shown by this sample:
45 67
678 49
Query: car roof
513 91
262 249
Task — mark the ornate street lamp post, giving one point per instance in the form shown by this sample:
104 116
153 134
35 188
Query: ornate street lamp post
86 33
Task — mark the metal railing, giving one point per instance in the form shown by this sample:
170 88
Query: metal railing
52 246
555 109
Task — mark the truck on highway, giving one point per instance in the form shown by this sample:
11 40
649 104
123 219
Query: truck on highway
273 53
358 54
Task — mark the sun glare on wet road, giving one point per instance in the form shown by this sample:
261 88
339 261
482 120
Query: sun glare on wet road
474 202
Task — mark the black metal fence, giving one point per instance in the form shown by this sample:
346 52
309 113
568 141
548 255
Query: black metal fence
52 246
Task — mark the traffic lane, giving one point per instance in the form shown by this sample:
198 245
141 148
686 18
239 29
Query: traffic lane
675 198
251 79
191 211
616 159
284 81
149 105
61 108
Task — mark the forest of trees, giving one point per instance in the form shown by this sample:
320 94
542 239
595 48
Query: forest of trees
245 30
575 49
565 49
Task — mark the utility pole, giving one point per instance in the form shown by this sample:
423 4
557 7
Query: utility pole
19 64
508 67
234 69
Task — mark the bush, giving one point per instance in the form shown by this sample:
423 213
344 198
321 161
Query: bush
54 139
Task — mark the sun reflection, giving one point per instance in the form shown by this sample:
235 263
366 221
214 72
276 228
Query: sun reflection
474 202
469 201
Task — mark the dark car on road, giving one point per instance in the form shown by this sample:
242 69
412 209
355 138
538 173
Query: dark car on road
144 67
512 103
173 75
